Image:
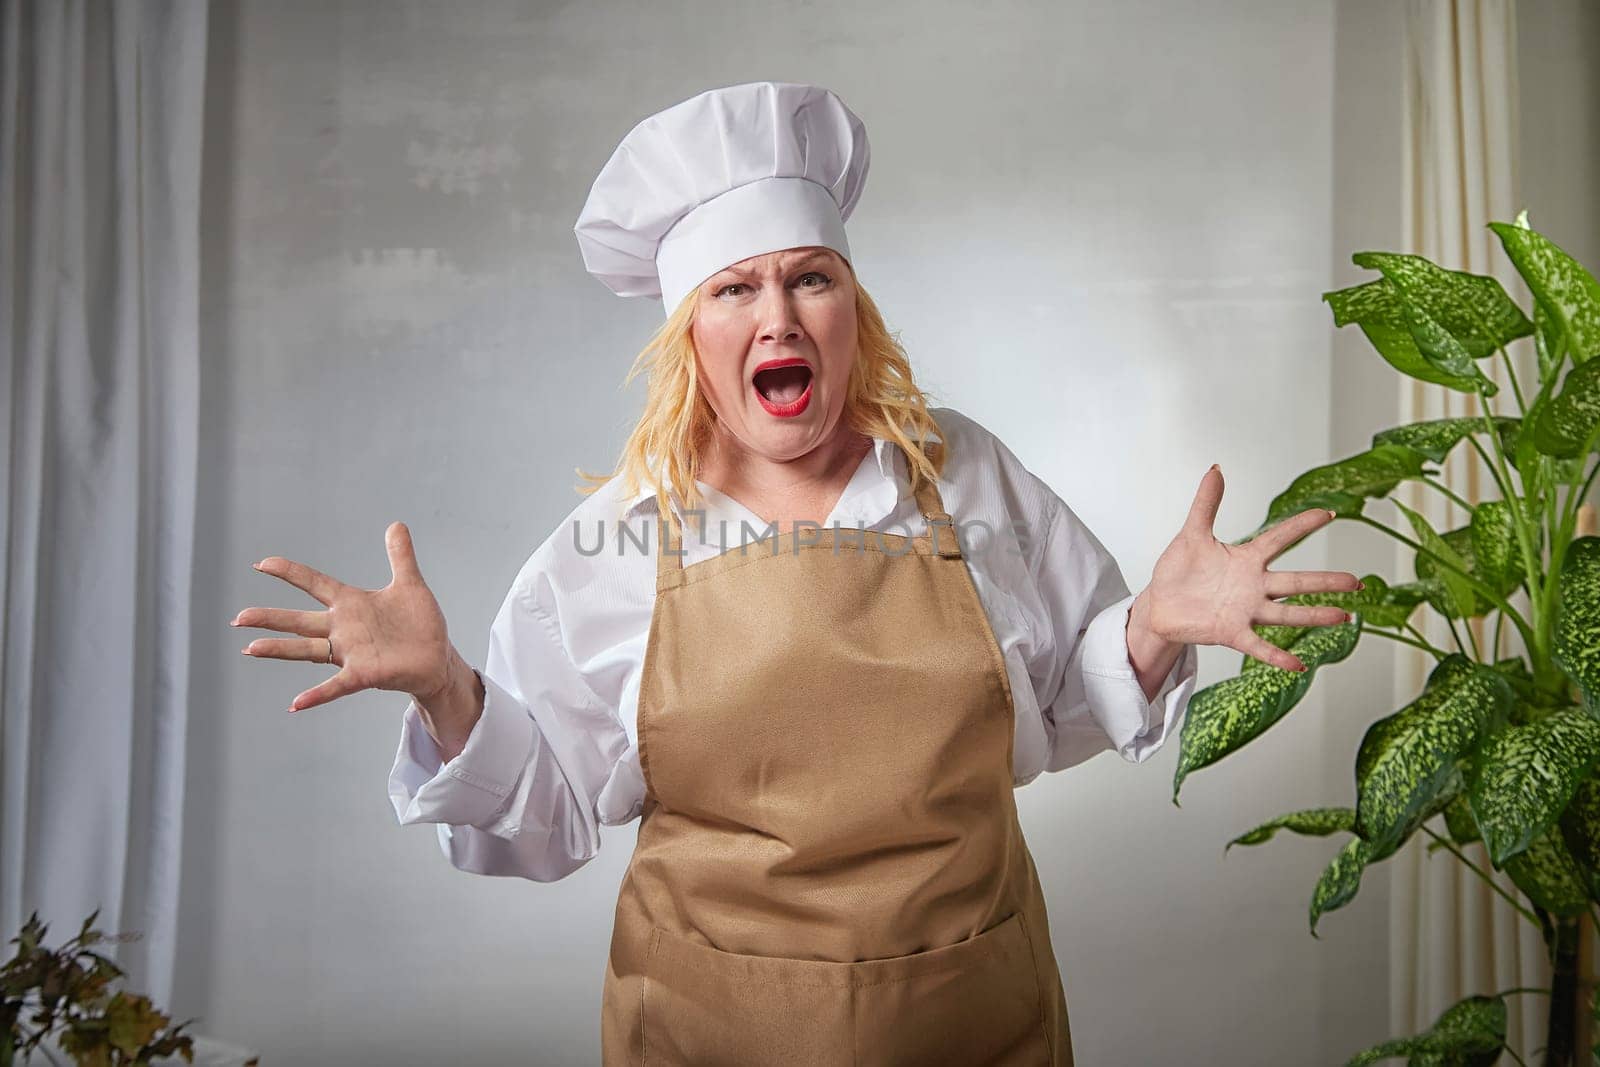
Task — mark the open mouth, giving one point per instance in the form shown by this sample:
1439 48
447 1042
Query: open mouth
786 389
783 386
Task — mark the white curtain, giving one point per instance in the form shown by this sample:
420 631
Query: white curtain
1451 935
100 130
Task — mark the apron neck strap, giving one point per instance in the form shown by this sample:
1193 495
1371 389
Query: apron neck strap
929 502
669 554
940 526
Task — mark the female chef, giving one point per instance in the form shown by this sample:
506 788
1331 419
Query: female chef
820 728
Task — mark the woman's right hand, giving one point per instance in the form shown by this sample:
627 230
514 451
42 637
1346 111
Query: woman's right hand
391 638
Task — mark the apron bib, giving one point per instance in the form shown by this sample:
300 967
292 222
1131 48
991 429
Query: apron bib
829 867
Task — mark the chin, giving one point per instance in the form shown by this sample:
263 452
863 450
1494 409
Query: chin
784 442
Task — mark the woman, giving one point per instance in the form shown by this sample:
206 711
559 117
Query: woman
821 734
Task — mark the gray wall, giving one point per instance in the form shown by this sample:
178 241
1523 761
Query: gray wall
1102 229
1558 65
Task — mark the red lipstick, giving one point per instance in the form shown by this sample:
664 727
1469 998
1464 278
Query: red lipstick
786 402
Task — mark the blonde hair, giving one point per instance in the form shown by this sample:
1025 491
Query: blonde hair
881 400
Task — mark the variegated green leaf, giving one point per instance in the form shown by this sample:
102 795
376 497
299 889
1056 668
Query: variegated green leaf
1439 595
1453 795
1514 669
1436 437
1496 553
1576 644
1224 717
1559 283
1436 343
1487 548
1389 605
1580 831
1312 822
1470 1033
1407 759
1525 775
1367 302
1379 604
1567 426
1462 597
1548 874
1459 822
1376 308
1549 340
1521 451
1410 594
1277 636
1344 486
1453 315
1340 880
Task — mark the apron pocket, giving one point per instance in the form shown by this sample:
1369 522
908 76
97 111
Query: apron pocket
974 1002
703 1006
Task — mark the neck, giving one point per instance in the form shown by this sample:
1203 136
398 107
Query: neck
795 487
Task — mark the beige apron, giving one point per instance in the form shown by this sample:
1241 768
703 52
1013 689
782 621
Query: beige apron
829 867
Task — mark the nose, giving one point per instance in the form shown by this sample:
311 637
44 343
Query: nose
779 323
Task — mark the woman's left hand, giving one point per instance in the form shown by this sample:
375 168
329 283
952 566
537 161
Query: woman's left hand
1207 592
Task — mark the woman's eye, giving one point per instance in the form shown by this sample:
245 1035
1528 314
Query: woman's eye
822 280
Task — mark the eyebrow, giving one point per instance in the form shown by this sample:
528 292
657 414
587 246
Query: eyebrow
801 262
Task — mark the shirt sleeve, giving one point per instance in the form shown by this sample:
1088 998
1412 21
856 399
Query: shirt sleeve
520 797
1080 668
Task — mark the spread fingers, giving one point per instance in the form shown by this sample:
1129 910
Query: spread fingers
302 577
1275 614
1292 583
310 649
286 620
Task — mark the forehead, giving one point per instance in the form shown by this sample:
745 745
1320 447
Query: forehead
782 261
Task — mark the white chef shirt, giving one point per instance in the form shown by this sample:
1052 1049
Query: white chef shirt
554 755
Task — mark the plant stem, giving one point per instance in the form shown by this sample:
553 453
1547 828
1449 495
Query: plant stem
1573 503
1492 884
1523 989
1552 508
1505 490
1455 635
1490 594
1447 491
1511 372
1561 537
1569 518
1509 1051
1438 653
1499 621
1424 639
1588 483
1520 521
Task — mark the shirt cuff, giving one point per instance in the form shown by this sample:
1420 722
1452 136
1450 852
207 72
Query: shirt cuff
471 789
1136 726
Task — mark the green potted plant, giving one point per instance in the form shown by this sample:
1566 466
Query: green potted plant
65 995
1498 750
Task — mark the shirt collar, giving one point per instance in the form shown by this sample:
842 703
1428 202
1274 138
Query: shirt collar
882 448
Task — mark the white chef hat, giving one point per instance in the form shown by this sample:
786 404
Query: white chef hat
729 174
